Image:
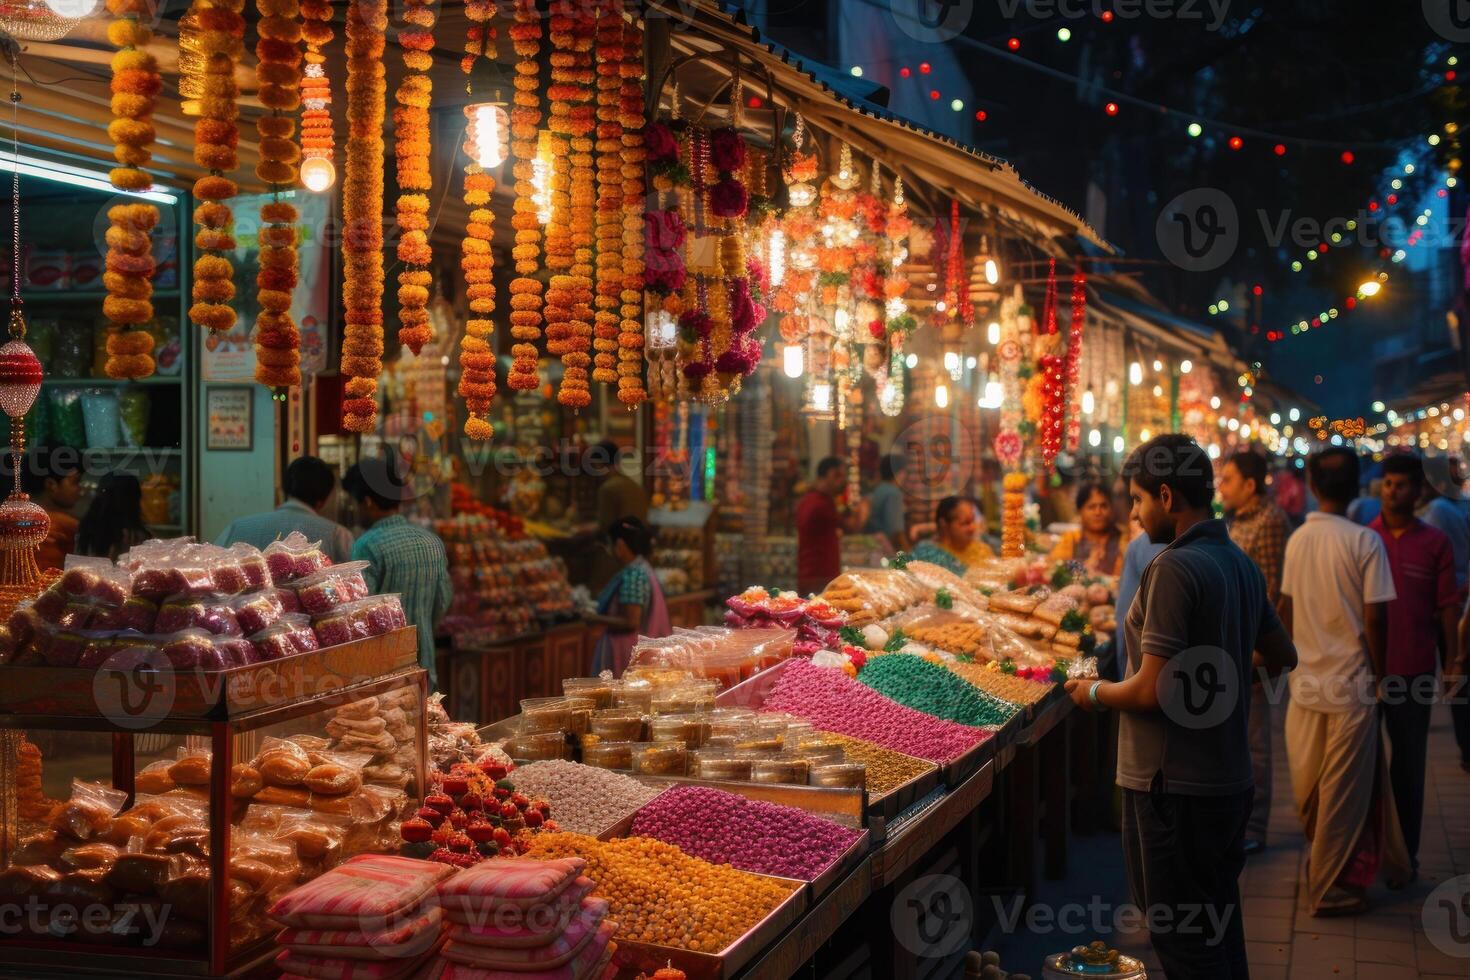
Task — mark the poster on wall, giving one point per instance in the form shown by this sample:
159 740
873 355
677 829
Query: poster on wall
229 412
230 356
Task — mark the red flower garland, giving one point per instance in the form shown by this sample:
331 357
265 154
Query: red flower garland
1074 356
525 119
411 148
362 214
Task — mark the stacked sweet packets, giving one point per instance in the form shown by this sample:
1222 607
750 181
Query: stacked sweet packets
534 919
371 918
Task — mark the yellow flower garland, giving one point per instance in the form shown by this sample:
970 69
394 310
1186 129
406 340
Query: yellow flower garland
128 274
219 36
573 116
525 118
278 69
477 259
362 214
411 146
609 215
630 117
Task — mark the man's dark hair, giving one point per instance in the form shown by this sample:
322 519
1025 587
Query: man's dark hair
891 465
634 533
1405 464
829 464
604 456
1251 465
1176 460
309 480
378 479
1334 474
1087 489
44 463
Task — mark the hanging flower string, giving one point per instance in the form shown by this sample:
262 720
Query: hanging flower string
477 258
128 275
569 237
1072 395
1049 364
664 234
218 38
525 120
608 264
729 200
557 310
631 391
362 213
318 142
411 149
278 69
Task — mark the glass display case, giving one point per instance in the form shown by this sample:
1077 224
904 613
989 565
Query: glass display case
160 814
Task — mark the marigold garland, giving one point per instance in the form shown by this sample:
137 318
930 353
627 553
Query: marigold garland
128 274
411 147
278 69
477 258
608 229
568 300
219 32
525 118
318 142
630 116
362 214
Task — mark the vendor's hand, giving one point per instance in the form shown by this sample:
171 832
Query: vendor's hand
1078 688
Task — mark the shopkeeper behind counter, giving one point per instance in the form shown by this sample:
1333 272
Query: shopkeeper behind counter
633 596
956 544
402 557
819 527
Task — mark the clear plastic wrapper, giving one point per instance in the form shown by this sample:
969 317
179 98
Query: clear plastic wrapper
94 579
293 557
331 587
252 565
256 611
210 613
138 614
289 635
359 618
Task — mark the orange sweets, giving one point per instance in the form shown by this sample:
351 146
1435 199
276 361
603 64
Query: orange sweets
658 894
886 769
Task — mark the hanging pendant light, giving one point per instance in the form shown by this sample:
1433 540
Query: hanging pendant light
43 20
487 135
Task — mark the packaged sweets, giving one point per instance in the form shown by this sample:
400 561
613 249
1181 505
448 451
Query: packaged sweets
364 617
294 557
211 613
331 587
291 634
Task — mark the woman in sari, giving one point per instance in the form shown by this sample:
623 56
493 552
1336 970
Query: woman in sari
1098 544
955 544
632 596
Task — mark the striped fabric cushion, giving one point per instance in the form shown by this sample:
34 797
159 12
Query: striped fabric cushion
515 882
369 893
408 937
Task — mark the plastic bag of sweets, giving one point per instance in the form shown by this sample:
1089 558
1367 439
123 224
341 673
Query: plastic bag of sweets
331 587
372 616
138 614
176 572
289 635
213 613
253 564
294 557
256 611
95 579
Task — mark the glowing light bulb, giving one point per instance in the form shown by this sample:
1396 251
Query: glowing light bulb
994 395
487 134
1158 364
941 396
74 9
1369 288
318 174
992 333
1185 366
1094 438
792 360
777 257
1195 129
1135 373
1088 404
992 271
911 361
1117 444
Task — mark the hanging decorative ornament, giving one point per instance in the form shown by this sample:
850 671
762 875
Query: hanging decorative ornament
665 275
1015 335
525 119
23 524
1072 394
362 215
569 120
1049 377
574 391
217 42
278 69
411 150
136 83
608 220
318 142
632 156
477 255
1013 515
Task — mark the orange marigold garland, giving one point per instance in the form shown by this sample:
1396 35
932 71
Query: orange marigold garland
609 214
563 90
318 142
128 277
411 146
477 258
278 69
580 120
218 38
525 118
362 214
630 117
